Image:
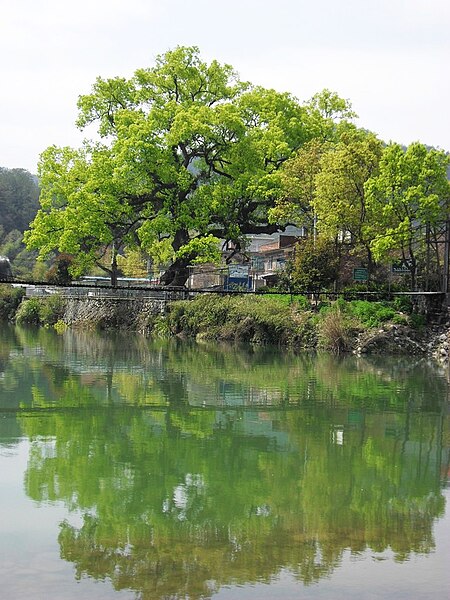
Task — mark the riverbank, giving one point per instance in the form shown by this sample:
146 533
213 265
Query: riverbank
358 327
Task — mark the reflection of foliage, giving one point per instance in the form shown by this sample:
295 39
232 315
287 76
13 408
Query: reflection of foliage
121 368
176 501
317 455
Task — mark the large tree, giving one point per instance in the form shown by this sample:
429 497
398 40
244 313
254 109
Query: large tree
329 120
340 198
188 154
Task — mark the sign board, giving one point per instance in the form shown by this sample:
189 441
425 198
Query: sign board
238 283
360 274
402 266
238 271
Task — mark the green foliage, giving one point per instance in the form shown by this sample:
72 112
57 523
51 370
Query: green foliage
339 199
315 264
403 304
298 176
202 250
19 202
409 199
60 327
10 299
371 314
19 199
52 309
417 321
268 320
280 319
298 300
22 260
188 154
41 311
133 263
29 312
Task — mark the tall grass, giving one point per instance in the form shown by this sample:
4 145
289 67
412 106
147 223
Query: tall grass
254 319
336 330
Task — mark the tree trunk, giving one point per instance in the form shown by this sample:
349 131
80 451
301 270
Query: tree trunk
177 274
114 270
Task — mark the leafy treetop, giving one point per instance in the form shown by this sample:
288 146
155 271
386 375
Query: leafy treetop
188 154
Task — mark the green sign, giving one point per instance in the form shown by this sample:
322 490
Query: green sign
360 274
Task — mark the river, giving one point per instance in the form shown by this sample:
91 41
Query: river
142 469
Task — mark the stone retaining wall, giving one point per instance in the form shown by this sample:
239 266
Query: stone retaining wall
113 313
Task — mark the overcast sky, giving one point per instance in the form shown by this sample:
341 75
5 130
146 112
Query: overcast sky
390 58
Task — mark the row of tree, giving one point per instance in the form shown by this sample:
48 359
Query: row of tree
376 201
187 156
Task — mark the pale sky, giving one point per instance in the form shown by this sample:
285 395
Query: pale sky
390 58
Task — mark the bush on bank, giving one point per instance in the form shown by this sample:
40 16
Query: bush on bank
41 311
253 319
10 299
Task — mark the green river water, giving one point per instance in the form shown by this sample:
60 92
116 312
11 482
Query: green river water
137 469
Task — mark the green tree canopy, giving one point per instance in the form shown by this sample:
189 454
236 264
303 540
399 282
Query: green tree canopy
410 197
188 154
339 198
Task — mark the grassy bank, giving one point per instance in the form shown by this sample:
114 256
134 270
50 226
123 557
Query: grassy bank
286 321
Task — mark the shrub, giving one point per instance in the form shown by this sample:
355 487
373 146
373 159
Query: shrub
41 311
10 299
60 327
52 309
417 321
371 314
403 304
246 318
29 312
315 264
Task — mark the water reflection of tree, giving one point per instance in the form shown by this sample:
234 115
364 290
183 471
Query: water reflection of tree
138 371
178 502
